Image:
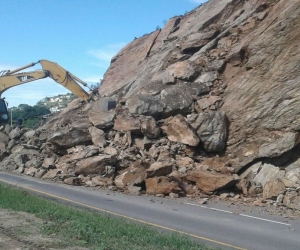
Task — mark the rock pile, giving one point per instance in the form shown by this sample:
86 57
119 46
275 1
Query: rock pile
128 152
208 104
138 154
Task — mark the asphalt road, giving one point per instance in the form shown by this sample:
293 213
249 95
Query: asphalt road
214 226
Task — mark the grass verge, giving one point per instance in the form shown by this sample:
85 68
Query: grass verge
82 228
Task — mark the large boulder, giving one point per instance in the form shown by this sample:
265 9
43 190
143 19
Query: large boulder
78 153
170 100
149 127
162 185
15 133
159 169
94 164
145 105
273 189
135 175
279 146
268 173
184 70
69 138
178 130
127 123
210 182
101 119
101 113
212 129
178 100
97 136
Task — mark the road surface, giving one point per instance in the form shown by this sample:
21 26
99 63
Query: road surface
213 226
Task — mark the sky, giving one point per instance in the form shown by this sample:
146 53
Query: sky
80 35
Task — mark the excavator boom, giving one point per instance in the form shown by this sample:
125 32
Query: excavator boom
11 78
66 79
8 81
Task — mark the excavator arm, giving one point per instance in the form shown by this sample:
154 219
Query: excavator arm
8 81
65 78
13 78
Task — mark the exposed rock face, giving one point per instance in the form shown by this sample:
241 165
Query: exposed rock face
184 110
221 39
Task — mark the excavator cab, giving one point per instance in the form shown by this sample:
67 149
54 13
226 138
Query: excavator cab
3 112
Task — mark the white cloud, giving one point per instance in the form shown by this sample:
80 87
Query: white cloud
102 58
101 54
93 79
105 54
116 46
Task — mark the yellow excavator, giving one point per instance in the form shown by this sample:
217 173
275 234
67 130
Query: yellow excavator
11 78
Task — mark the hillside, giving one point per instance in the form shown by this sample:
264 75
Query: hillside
57 103
35 116
206 105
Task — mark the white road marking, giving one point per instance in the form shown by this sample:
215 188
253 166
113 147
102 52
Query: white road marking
258 218
245 215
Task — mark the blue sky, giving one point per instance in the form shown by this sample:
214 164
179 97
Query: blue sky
79 35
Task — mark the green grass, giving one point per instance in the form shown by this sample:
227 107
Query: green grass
79 227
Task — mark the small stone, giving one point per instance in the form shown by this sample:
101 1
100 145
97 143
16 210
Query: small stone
173 195
279 198
224 196
257 203
231 194
237 197
113 188
203 201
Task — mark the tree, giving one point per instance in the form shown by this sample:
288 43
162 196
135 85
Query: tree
29 114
